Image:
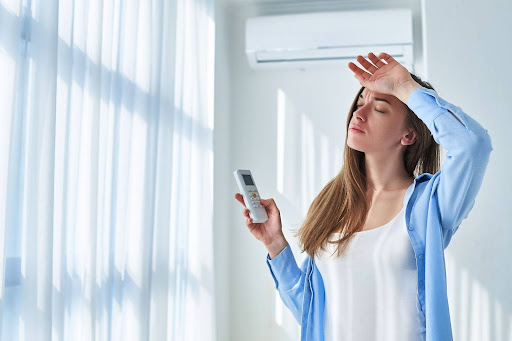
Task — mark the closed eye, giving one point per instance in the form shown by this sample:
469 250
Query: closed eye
360 105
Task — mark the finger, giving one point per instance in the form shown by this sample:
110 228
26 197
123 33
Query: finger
358 72
240 198
386 57
376 60
366 64
245 212
269 205
360 76
248 221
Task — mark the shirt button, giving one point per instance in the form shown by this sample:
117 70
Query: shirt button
411 228
421 282
420 256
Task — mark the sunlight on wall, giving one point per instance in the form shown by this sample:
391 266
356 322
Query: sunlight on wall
24 159
475 314
281 112
479 312
55 333
22 329
12 6
308 175
7 70
210 74
132 321
278 309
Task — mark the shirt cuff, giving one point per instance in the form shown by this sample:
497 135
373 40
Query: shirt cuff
284 269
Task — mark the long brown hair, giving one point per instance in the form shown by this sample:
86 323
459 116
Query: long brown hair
342 203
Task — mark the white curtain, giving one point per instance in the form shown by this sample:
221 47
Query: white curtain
106 169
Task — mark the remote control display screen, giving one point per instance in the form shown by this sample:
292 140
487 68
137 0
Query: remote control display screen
248 180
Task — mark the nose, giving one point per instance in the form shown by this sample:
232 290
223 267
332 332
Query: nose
360 112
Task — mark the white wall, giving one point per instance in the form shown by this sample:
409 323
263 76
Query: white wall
291 162
468 53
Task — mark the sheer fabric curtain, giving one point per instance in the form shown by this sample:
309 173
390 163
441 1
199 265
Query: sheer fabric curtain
106 169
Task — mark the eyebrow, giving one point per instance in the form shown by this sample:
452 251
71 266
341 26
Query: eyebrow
377 99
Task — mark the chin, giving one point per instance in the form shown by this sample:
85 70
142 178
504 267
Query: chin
355 147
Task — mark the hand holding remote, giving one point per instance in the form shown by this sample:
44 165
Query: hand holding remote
270 233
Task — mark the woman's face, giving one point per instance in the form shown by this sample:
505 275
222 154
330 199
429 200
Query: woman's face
382 119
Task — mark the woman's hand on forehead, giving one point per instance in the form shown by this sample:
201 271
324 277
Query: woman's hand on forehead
383 75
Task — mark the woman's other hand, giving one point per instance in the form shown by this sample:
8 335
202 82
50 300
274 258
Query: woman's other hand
385 76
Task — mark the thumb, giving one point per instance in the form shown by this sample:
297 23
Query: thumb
270 205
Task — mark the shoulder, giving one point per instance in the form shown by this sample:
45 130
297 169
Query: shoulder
426 181
423 188
423 177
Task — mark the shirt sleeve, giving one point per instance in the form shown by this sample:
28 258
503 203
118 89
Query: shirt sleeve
289 280
468 147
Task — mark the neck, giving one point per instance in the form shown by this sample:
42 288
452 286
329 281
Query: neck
385 174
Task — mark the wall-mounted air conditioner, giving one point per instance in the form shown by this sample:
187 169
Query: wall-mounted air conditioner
328 39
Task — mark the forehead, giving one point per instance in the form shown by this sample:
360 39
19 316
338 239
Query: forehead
372 94
376 96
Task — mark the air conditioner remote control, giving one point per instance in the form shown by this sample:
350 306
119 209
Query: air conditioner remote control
251 196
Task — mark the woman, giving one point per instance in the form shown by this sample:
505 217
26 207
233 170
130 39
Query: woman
389 282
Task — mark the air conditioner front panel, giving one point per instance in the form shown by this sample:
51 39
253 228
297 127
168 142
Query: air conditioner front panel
315 30
328 39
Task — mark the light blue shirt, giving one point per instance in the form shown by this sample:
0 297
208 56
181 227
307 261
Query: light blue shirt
435 206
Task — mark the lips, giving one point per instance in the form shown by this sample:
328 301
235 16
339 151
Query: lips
356 128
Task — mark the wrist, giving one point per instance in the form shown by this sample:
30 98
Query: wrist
276 246
406 89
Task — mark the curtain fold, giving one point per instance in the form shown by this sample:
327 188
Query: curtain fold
106 170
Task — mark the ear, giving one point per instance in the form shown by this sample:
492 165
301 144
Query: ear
409 139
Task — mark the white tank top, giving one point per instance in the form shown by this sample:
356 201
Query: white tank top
371 289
